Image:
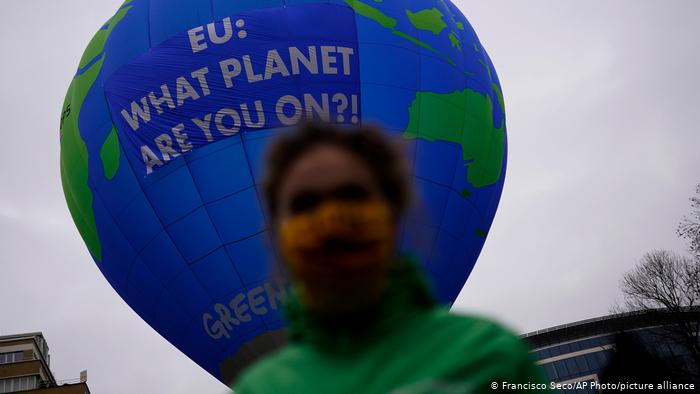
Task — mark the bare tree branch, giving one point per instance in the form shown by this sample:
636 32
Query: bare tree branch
689 227
663 279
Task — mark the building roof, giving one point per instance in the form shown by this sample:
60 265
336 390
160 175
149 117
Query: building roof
607 325
21 336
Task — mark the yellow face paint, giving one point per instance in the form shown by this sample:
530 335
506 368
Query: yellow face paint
339 251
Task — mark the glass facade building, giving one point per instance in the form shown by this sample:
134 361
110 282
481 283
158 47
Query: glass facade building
584 351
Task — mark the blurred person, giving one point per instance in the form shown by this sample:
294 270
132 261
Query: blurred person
361 318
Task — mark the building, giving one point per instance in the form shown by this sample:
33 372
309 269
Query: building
25 366
629 347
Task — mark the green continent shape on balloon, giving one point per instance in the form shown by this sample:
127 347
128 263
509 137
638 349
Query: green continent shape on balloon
499 95
496 89
74 152
110 154
74 163
454 40
430 20
466 118
390 23
372 13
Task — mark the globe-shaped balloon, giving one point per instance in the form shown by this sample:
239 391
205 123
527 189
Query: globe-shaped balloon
166 122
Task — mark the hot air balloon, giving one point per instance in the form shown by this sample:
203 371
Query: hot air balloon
165 125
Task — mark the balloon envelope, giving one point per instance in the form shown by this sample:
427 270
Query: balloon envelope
166 121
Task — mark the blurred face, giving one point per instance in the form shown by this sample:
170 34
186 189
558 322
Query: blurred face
335 229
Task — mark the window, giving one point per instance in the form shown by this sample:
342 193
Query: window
602 358
551 372
575 346
571 366
6 358
593 363
582 364
559 350
586 343
19 384
565 348
561 369
555 351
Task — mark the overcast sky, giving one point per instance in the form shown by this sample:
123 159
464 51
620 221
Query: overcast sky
603 107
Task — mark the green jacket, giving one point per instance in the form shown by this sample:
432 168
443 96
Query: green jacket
405 344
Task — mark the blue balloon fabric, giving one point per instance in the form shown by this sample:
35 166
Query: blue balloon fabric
166 122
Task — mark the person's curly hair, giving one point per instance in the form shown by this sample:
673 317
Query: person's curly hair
383 158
